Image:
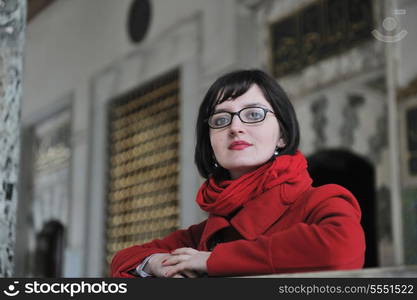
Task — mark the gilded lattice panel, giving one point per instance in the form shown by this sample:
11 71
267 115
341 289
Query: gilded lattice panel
143 165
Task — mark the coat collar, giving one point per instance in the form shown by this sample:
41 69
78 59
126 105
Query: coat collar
214 224
258 215
255 217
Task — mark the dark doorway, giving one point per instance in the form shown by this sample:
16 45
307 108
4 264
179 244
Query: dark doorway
357 175
50 250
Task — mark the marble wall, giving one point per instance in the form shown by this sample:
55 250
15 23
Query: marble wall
12 26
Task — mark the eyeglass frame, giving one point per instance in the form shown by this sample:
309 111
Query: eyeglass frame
266 110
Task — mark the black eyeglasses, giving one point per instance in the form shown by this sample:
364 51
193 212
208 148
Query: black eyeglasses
246 115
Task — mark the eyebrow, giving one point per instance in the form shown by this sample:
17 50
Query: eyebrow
254 104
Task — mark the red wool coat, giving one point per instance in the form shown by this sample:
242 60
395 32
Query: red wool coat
319 230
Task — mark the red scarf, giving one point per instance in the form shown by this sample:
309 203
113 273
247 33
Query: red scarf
289 171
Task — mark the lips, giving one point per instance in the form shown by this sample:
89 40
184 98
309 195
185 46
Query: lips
239 145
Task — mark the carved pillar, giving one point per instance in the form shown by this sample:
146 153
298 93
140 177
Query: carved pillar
12 28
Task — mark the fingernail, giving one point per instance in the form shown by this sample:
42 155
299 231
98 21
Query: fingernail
164 261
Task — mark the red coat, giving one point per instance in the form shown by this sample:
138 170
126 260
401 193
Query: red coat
319 230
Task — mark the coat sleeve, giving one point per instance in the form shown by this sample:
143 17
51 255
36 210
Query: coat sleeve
129 258
331 238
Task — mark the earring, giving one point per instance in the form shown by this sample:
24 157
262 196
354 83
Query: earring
216 165
276 152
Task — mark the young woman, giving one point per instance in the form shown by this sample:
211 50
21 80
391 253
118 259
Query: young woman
264 215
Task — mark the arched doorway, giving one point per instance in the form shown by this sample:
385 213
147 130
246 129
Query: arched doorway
357 175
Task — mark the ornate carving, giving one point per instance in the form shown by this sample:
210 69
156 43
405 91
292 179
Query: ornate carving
318 108
320 30
378 84
11 24
350 119
379 141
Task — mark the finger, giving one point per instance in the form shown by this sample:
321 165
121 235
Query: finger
175 259
184 251
169 272
175 269
160 259
173 274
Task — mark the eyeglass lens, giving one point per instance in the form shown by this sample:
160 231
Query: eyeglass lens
246 115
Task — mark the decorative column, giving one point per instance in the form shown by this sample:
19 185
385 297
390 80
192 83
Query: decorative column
12 34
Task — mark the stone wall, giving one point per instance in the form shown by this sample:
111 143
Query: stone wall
12 25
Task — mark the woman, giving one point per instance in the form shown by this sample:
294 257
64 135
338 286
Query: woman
264 215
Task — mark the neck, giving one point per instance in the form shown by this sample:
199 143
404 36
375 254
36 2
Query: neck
235 174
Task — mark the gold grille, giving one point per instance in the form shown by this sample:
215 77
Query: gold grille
143 167
321 29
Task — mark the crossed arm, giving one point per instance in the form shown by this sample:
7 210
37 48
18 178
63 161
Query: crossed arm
333 240
182 262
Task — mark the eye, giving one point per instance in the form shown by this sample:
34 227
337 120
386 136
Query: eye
219 120
254 114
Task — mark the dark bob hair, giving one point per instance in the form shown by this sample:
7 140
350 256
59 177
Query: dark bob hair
231 86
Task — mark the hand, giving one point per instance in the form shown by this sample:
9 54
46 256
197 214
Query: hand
154 267
186 261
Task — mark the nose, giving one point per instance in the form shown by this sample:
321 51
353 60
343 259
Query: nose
236 125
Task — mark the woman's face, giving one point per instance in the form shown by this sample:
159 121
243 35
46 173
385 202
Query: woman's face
241 147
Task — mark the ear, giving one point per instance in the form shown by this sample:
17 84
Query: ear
281 143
